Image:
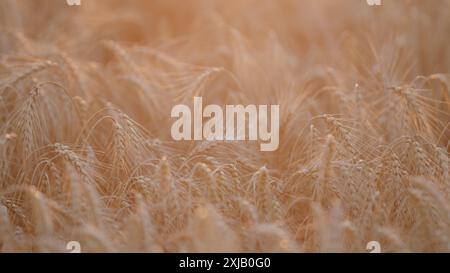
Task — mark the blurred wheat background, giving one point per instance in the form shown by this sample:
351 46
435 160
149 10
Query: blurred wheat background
85 147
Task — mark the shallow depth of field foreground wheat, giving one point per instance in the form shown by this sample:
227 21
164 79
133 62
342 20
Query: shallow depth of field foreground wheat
85 147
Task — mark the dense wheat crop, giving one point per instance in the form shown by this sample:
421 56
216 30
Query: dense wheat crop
85 147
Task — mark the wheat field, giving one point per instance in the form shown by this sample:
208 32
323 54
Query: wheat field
86 153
